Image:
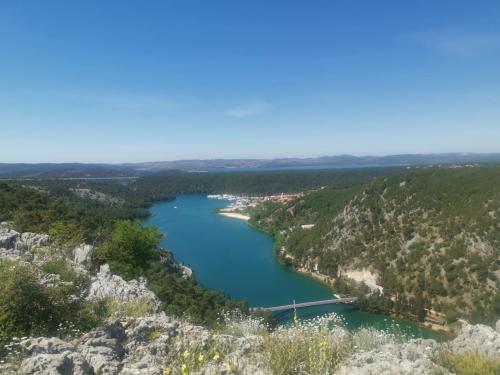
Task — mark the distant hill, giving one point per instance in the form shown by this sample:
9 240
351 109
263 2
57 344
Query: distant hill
81 170
340 161
65 170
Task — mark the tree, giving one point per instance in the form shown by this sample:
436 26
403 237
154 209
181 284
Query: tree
130 250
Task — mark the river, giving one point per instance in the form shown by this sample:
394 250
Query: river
229 255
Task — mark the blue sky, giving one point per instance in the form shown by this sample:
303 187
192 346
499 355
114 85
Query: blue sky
124 81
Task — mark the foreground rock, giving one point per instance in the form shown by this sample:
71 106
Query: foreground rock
103 349
145 345
106 285
478 338
414 357
53 356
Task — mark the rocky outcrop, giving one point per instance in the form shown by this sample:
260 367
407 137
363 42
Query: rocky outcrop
103 349
412 358
418 356
81 254
106 285
140 346
53 356
14 244
478 338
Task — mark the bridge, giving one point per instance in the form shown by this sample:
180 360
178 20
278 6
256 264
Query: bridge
349 300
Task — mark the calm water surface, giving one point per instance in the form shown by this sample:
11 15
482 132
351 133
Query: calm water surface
229 255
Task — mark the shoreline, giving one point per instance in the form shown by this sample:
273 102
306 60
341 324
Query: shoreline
234 215
328 280
324 279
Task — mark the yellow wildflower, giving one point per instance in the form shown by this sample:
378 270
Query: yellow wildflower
167 371
201 358
216 356
185 354
184 369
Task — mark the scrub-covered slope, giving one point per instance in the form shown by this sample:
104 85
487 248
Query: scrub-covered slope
429 237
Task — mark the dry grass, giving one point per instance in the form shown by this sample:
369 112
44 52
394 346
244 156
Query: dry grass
470 363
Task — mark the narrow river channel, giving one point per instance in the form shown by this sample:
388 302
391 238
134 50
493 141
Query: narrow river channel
229 255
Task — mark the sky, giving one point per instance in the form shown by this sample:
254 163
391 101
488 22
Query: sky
132 81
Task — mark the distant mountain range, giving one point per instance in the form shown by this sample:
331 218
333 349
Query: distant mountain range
80 170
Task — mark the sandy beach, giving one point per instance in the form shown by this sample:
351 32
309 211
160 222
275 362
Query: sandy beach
234 215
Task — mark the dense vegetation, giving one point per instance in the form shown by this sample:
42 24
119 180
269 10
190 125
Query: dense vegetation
166 185
432 236
29 306
54 206
133 251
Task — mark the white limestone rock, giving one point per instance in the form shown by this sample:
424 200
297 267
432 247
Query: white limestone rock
51 356
103 348
14 244
81 254
107 285
412 358
477 338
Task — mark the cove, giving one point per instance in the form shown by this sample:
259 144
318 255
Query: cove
229 255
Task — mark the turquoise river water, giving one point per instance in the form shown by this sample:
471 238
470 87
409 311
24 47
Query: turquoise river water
229 255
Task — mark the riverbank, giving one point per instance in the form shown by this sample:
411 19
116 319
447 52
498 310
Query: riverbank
248 251
234 215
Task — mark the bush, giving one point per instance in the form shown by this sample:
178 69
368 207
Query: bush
66 233
65 271
451 315
307 347
130 250
115 309
24 304
29 308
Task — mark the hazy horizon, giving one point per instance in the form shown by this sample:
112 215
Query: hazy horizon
291 157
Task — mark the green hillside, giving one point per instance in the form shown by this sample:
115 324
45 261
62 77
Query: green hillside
430 236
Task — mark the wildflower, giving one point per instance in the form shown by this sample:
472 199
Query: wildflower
216 356
229 368
201 358
185 354
184 369
167 371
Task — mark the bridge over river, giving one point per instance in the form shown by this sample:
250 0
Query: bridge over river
349 300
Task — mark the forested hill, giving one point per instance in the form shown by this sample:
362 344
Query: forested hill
430 236
163 185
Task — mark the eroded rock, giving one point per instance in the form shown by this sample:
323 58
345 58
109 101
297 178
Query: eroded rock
106 285
478 338
103 349
51 356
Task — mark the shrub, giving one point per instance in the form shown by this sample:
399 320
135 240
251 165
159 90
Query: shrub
451 314
64 270
66 233
310 347
470 363
115 309
23 302
130 250
29 308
